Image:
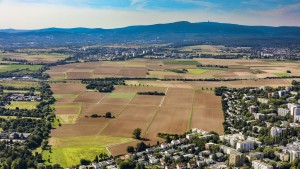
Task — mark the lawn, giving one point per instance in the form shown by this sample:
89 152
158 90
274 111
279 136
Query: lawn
68 151
197 71
180 62
282 74
22 105
10 67
120 95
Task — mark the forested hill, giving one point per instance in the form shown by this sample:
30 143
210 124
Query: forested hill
178 31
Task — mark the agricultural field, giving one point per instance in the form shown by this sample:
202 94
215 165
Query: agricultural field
22 105
153 114
213 50
35 58
197 71
174 69
19 84
68 151
186 104
10 67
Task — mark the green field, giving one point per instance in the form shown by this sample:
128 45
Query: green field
68 151
180 62
67 118
14 117
20 84
55 123
197 71
35 57
282 74
19 91
10 67
22 105
120 95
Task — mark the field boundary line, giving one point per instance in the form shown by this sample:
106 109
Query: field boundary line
151 121
155 114
192 112
163 99
101 99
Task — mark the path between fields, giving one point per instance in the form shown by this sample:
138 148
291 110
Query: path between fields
162 100
101 99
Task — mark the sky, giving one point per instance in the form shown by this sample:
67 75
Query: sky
36 14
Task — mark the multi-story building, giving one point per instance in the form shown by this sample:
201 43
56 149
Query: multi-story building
297 114
293 149
260 165
263 100
283 111
236 159
253 109
245 145
276 131
232 139
292 108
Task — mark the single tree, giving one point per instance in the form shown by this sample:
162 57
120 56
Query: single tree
108 115
130 149
137 133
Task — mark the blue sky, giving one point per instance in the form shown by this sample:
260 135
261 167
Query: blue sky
34 14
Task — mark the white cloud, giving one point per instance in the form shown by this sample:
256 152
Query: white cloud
138 4
199 3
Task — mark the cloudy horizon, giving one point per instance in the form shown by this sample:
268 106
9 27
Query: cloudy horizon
36 14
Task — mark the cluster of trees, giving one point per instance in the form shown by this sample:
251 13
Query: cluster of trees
19 155
15 60
220 90
103 85
139 147
152 93
107 115
169 137
26 72
98 158
213 66
129 164
178 70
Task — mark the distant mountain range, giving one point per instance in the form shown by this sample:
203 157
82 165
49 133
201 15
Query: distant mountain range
178 31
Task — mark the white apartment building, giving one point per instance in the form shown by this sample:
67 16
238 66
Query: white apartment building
260 165
245 145
276 131
283 111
